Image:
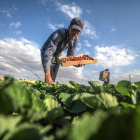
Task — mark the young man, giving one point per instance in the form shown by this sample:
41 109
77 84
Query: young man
107 78
58 41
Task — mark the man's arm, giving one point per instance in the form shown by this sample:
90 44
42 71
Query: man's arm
72 46
48 54
48 78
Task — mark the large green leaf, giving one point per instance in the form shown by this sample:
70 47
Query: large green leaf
96 86
26 132
123 83
123 90
111 86
8 123
120 127
14 96
90 122
135 96
67 100
137 84
53 110
102 100
37 110
73 103
73 83
126 105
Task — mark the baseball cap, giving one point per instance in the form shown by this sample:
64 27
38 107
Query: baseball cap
77 23
107 69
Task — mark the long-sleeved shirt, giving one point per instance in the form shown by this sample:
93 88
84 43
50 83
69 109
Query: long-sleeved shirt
55 44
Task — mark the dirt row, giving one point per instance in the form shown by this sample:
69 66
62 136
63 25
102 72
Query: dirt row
29 81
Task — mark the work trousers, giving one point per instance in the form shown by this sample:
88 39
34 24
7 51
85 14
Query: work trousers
105 83
54 67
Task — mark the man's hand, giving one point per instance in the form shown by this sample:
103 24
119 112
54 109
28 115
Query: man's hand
48 78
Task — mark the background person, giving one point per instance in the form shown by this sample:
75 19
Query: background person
107 78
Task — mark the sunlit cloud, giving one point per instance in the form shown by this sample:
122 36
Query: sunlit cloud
15 8
70 10
114 56
14 25
117 71
87 43
89 30
88 11
6 12
55 26
113 29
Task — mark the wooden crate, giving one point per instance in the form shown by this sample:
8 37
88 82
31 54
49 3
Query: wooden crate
72 63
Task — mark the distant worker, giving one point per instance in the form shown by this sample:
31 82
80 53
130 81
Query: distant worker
105 76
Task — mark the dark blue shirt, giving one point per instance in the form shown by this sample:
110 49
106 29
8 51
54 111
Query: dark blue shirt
55 44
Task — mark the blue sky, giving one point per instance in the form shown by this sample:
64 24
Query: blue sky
111 34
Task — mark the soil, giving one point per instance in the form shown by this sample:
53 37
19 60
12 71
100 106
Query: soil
29 81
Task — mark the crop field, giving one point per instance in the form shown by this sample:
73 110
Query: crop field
41 111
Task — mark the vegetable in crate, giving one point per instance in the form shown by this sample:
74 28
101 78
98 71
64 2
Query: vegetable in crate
76 60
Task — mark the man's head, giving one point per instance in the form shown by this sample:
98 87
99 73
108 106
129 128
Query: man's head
107 69
75 27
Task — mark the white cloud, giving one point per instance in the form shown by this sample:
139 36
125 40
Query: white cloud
84 52
14 25
113 29
78 48
43 1
87 43
55 26
117 70
89 30
14 7
88 11
94 71
18 32
27 53
71 10
134 76
6 12
113 56
8 15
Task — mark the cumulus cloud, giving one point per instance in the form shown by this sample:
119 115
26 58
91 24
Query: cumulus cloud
84 51
14 25
87 43
55 26
88 11
117 70
15 8
113 56
18 32
113 29
44 1
129 76
6 12
89 30
78 48
70 10
27 54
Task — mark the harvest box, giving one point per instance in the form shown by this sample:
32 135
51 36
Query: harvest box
75 60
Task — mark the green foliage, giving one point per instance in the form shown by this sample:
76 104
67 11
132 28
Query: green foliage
70 112
121 127
102 100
